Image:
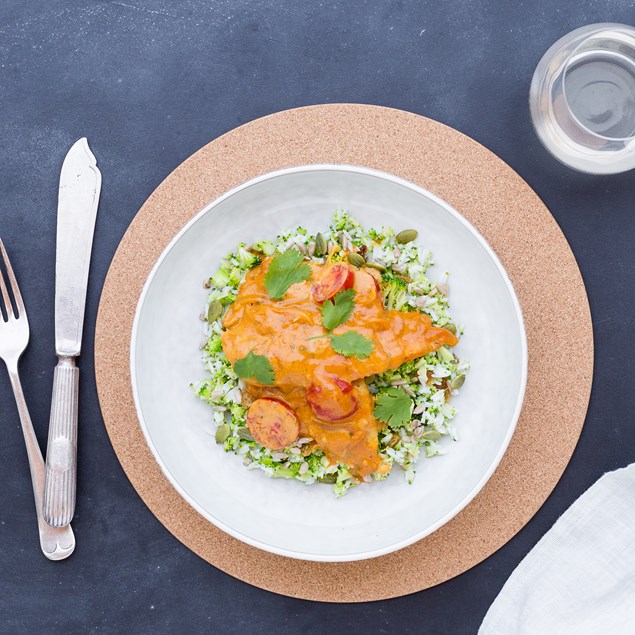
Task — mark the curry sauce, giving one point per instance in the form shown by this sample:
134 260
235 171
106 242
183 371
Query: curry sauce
326 390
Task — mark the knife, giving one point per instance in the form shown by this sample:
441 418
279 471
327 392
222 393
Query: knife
80 185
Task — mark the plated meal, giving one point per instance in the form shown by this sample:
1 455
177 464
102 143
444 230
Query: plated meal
330 357
330 360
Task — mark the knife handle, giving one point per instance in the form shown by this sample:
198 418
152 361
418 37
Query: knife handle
61 455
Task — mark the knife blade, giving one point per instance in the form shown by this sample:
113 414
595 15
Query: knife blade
78 200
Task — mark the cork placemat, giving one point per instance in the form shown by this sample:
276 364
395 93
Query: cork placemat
515 223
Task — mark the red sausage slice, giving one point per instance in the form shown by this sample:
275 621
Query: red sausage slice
333 400
272 423
338 278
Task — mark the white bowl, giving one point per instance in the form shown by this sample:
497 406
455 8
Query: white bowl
287 517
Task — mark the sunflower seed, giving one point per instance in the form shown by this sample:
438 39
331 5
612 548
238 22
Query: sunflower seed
311 250
279 456
420 409
443 288
295 450
409 391
304 468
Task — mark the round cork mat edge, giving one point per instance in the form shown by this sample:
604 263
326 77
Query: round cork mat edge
528 242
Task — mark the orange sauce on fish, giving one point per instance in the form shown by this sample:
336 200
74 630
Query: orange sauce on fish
282 330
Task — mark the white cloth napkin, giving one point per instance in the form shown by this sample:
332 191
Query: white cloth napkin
580 578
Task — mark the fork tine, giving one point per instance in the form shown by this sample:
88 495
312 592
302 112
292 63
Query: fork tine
7 300
14 283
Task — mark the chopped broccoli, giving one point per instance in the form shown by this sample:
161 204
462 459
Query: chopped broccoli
265 246
395 290
248 259
220 278
285 472
213 344
235 276
238 411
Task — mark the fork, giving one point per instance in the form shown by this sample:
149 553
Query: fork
57 543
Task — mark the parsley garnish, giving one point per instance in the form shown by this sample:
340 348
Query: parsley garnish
284 270
352 344
256 367
338 310
393 407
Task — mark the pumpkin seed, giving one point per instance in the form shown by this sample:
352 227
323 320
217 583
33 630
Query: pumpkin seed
244 434
215 310
321 248
356 260
222 432
394 441
377 266
307 449
431 435
328 478
406 236
450 327
445 355
457 382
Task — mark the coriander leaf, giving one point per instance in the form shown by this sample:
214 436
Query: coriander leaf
284 270
338 310
352 344
393 407
256 367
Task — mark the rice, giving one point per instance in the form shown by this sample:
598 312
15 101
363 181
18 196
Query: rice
425 379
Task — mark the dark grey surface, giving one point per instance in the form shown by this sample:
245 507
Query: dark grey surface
149 83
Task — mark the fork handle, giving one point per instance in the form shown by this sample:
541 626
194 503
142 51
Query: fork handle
56 543
61 456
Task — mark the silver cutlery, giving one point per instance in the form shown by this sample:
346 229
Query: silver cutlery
57 542
80 185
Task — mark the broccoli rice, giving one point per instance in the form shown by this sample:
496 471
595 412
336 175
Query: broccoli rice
429 381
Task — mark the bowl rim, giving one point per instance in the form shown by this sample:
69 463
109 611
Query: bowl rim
374 553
